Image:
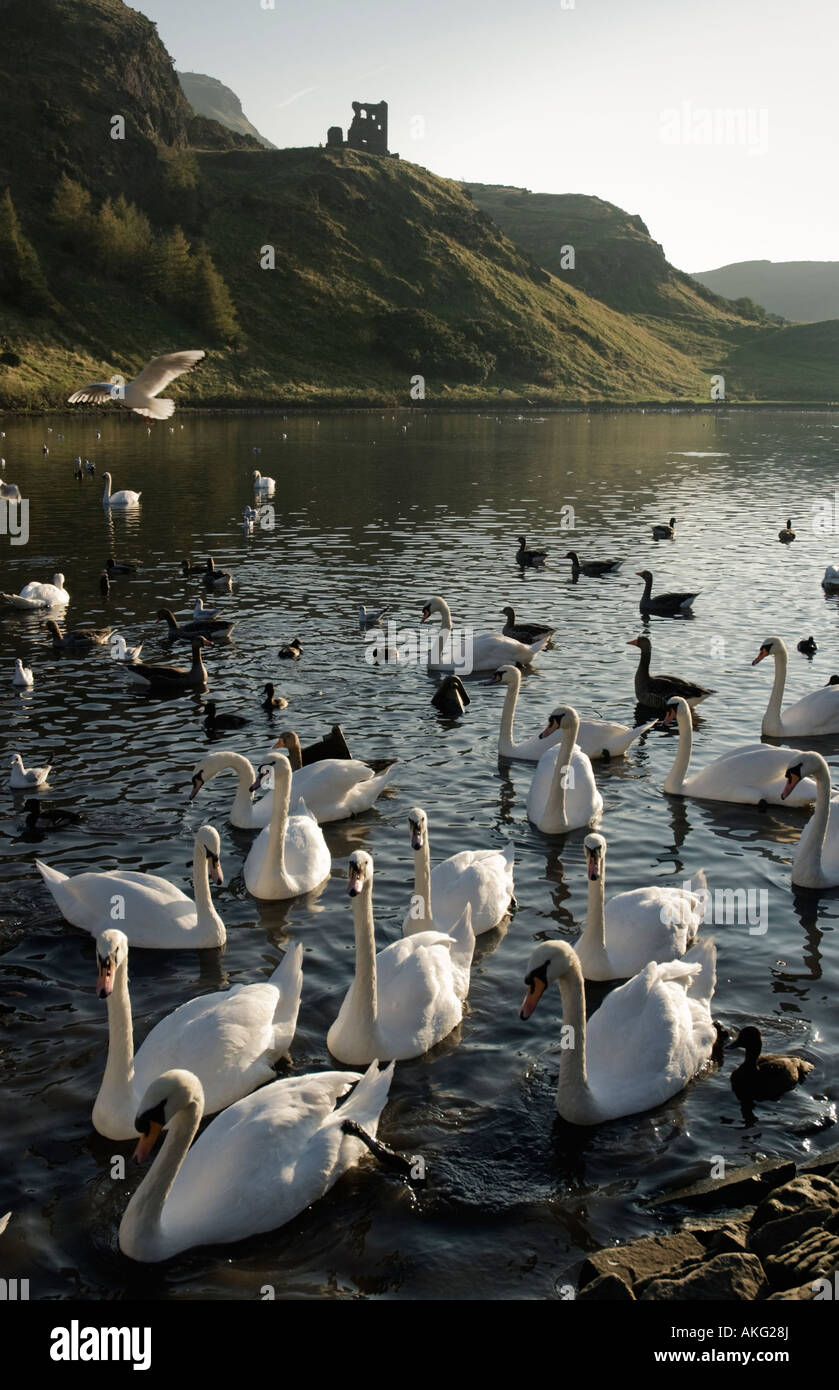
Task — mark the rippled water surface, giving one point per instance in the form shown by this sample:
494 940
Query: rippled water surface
396 509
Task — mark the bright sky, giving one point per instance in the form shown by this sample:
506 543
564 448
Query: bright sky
716 120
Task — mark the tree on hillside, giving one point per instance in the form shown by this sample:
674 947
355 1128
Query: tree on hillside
22 281
170 269
210 301
71 210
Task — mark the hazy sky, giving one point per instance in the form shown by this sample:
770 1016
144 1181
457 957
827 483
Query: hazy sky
716 120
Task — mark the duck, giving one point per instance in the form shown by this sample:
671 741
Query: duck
213 578
655 691
141 395
119 566
815 863
230 1039
289 856
593 569
657 923
77 639
169 679
528 633
597 738
292 651
749 776
40 817
409 997
214 629
332 788
272 701
665 531
764 1075
648 1039
213 720
529 558
21 777
120 650
265 485
289 1137
816 713
480 651
563 794
831 578
156 914
35 595
119 500
480 879
808 646
786 535
666 605
451 697
370 617
22 675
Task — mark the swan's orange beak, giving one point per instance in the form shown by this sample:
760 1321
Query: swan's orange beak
551 728
593 866
791 783
216 875
105 978
426 614
147 1142
761 654
531 999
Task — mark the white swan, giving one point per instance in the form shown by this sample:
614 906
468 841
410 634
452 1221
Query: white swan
154 913
749 776
255 1167
646 924
139 395
261 484
126 498
408 997
597 738
229 1039
22 675
481 879
563 794
816 713
35 596
21 777
815 863
481 651
646 1041
289 856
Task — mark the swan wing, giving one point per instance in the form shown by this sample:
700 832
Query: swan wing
418 1004
815 713
480 879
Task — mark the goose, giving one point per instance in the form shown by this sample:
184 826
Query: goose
816 713
764 1075
786 535
370 617
597 738
77 639
646 924
482 651
272 701
260 484
21 777
169 679
213 720
815 863
289 856
834 680
230 1039
259 1163
332 788
647 1040
451 697
750 776
213 578
665 532
156 914
831 577
119 566
40 817
142 394
214 629
563 794
406 999
655 691
480 879
202 614
808 646
292 651
666 605
593 569
22 675
34 595
528 633
120 650
119 500
529 558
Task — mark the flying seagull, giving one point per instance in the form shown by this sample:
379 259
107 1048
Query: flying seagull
139 395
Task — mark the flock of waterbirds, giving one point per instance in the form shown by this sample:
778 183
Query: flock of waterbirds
289 1140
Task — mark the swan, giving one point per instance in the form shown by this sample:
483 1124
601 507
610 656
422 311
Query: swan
332 788
255 1167
35 595
21 777
289 856
563 794
646 924
126 498
245 813
140 394
816 713
815 863
481 651
646 1041
597 738
751 776
22 675
408 997
481 879
260 484
155 914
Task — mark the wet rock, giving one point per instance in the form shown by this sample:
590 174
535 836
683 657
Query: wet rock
827 1164
735 1276
744 1187
641 1259
606 1286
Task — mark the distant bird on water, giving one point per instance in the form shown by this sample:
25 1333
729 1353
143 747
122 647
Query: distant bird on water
786 535
140 394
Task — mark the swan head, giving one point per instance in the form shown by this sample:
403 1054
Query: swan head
548 962
770 647
111 953
359 873
165 1097
564 718
106 477
808 765
595 848
418 826
58 581
275 774
675 711
434 605
208 839
506 675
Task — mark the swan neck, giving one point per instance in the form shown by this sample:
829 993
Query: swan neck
242 807
365 995
572 1065
595 928
116 1088
205 909
508 715
140 1227
556 800
809 857
422 883
676 776
445 615
275 853
773 718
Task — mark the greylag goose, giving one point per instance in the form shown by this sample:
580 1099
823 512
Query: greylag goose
77 639
215 629
655 691
593 569
667 605
527 557
665 532
163 680
528 633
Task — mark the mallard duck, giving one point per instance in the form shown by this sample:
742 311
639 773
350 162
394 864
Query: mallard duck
764 1075
786 535
119 566
213 720
272 701
451 697
292 651
808 646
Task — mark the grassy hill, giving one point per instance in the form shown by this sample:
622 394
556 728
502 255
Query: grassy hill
803 291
